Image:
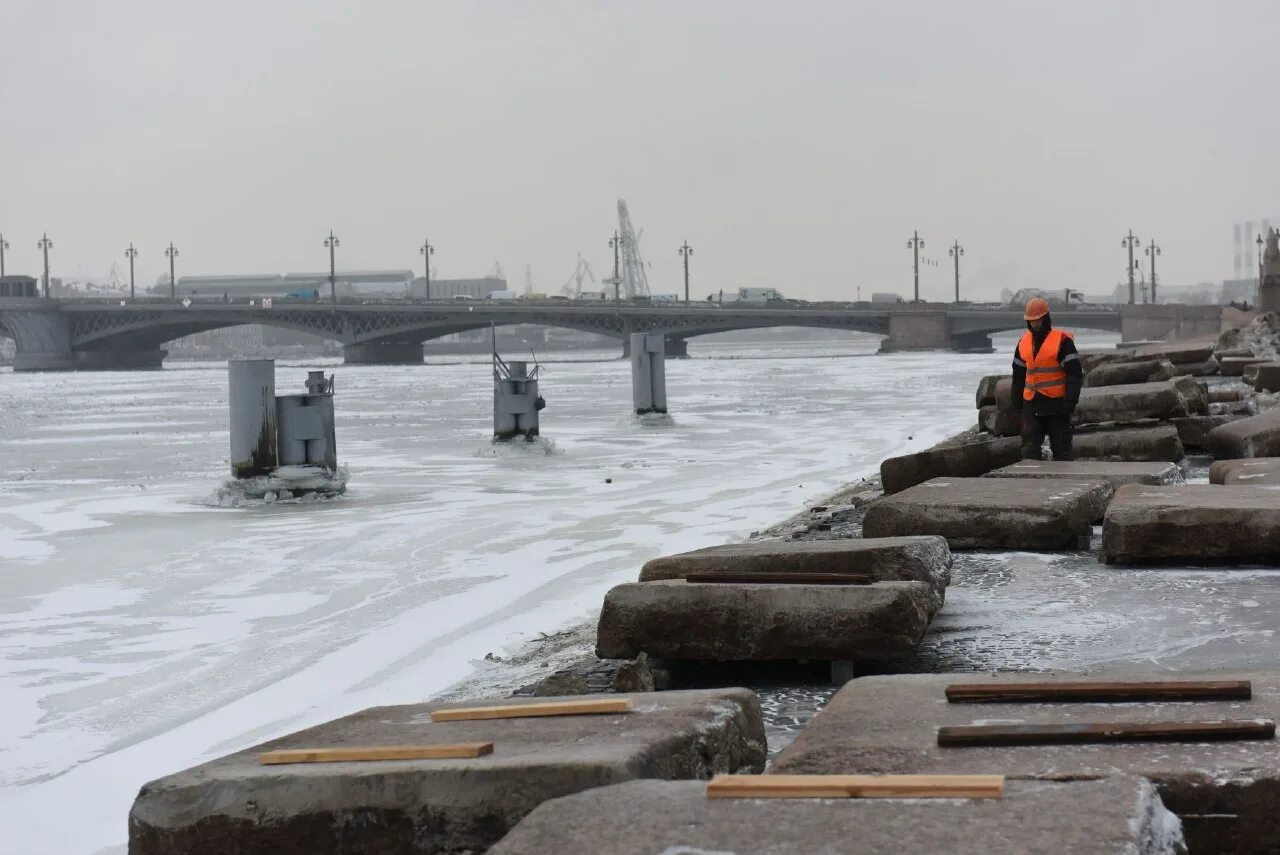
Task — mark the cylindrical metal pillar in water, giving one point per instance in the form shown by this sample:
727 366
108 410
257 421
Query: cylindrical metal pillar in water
515 402
252 397
648 373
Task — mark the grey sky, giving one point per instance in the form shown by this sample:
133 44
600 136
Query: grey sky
794 145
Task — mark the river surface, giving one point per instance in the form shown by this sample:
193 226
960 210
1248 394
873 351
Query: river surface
144 628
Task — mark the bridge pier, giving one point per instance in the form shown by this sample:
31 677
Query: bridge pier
673 348
383 353
42 340
972 343
914 328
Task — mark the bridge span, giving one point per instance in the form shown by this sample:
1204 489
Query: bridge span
114 335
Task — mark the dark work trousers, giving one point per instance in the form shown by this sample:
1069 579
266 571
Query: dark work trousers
1034 430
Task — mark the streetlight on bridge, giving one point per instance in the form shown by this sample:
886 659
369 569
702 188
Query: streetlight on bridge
171 253
686 251
131 254
955 252
4 244
916 244
1131 242
615 243
1152 251
45 244
427 251
331 243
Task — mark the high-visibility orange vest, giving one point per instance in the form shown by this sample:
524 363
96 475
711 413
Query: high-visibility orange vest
1045 373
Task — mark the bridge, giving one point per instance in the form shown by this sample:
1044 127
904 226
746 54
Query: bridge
102 334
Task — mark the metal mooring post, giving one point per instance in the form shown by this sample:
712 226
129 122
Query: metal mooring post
649 372
515 400
252 397
305 425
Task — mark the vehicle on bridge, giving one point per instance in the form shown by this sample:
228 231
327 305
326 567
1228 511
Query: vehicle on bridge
592 296
759 295
304 294
532 295
501 295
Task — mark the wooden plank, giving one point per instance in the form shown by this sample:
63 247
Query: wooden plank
362 754
960 736
777 578
551 708
856 787
1086 690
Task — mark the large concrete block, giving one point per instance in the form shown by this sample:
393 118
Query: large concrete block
1267 378
968 460
674 619
1226 394
1115 474
1160 442
998 422
235 806
1226 792
1194 522
1176 352
1193 431
1249 376
889 559
1124 814
992 513
1245 470
1234 366
1255 436
987 389
1130 403
1124 373
1194 393
1207 368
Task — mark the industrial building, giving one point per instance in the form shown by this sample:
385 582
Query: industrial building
447 289
349 283
19 286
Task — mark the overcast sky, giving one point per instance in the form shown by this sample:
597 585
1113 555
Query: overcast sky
795 145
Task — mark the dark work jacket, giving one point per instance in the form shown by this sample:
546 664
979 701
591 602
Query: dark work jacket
1040 405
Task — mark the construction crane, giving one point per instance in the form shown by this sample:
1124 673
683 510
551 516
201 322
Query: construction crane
634 282
573 287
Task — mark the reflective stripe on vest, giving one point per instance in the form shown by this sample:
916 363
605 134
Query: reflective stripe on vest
1045 373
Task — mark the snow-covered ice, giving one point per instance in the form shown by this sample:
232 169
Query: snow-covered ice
143 631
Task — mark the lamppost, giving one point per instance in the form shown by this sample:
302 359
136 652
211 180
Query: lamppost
131 254
1152 250
1259 242
45 244
955 252
171 253
686 251
4 244
614 243
1130 241
331 243
915 244
427 251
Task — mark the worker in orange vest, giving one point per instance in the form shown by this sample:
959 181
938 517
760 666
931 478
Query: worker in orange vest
1046 383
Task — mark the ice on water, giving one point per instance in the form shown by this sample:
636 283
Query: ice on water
142 632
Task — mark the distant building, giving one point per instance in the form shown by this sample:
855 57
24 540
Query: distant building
447 289
19 286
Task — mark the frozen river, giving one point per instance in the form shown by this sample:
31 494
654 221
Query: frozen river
143 629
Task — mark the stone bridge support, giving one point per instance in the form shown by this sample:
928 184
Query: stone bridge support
42 339
917 329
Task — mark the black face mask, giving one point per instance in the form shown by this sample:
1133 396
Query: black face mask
1038 336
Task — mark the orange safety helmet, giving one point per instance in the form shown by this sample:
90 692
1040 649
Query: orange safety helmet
1037 307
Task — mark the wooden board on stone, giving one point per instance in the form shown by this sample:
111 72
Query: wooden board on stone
856 787
1094 691
1077 733
549 708
778 578
365 754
